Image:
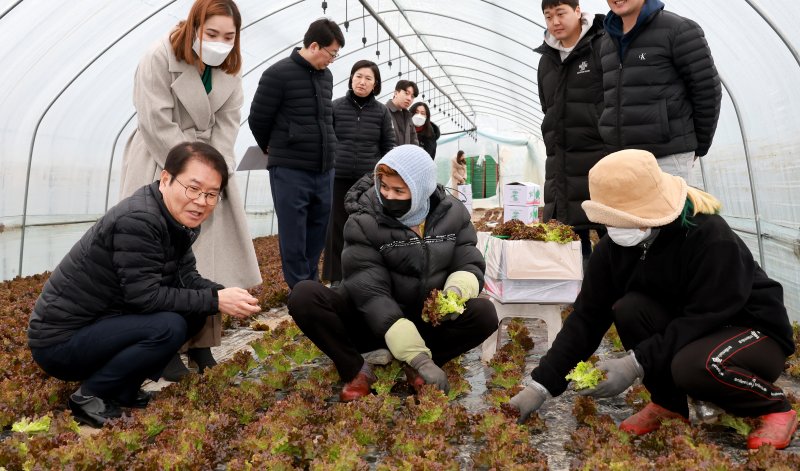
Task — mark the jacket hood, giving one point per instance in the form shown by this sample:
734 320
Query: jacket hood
591 24
363 198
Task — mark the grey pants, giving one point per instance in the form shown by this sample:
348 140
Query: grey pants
677 164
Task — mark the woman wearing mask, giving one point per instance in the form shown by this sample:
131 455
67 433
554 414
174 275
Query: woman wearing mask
427 132
188 87
698 316
364 129
404 237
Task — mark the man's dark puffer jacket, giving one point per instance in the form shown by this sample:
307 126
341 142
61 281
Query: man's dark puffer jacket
364 134
665 97
135 260
571 95
388 270
292 114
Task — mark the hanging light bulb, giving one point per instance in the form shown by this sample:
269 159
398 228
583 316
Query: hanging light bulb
324 6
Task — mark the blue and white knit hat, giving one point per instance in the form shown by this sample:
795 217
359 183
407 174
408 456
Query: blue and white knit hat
418 171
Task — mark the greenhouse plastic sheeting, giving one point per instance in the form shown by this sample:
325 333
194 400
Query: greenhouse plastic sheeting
66 107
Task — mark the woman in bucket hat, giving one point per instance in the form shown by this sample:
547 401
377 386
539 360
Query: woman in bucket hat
696 314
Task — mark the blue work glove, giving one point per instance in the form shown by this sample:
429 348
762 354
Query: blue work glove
529 400
431 373
620 374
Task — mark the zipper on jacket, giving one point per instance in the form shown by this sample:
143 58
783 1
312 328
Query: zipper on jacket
645 246
619 105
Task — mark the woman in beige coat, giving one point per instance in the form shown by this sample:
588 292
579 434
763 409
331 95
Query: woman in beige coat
188 87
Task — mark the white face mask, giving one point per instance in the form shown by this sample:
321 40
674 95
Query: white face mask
418 120
628 237
214 53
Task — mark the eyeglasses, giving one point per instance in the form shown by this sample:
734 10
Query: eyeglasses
333 55
192 192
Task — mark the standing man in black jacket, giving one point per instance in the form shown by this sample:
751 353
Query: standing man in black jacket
662 91
404 131
291 118
128 295
571 96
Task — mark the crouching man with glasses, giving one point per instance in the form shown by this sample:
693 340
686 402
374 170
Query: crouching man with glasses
128 295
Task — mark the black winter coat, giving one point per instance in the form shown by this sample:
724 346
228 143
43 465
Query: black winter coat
571 95
388 270
428 142
664 96
292 115
706 275
365 134
135 260
404 130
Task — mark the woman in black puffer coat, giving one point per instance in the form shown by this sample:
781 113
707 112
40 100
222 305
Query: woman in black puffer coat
427 131
405 237
364 129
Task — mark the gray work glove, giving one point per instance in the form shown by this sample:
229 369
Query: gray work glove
620 374
529 400
431 373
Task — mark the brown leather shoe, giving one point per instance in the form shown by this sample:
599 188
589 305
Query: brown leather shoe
355 389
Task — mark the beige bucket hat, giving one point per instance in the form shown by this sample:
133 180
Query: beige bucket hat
627 189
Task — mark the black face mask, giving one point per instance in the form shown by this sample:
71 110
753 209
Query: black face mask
395 208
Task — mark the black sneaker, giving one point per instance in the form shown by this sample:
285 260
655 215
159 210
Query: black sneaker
140 402
92 410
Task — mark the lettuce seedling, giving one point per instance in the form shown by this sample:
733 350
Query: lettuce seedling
24 425
440 304
585 375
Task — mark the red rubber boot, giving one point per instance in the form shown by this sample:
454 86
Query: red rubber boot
776 430
355 389
649 419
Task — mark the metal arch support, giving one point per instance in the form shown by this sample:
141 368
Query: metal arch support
533 93
11 7
753 195
775 28
447 75
409 57
111 159
509 106
489 104
494 92
515 14
474 25
47 109
490 112
469 56
424 43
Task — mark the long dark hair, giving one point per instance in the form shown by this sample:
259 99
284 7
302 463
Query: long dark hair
427 129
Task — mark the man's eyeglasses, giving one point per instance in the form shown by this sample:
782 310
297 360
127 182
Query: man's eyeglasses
333 55
192 192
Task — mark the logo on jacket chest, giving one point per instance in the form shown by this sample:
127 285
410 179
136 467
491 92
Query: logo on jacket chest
583 68
414 241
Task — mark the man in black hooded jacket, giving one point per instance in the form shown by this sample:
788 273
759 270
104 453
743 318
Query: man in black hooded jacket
571 96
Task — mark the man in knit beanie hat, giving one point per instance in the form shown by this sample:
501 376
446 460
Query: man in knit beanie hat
405 237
